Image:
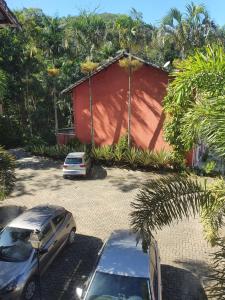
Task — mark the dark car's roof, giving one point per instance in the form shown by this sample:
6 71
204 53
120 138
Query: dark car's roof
123 256
36 217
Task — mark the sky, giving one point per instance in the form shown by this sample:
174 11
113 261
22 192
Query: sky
152 10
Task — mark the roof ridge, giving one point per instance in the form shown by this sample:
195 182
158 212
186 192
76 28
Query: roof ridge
107 64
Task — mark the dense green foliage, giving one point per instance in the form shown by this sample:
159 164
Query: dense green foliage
26 86
135 158
195 101
121 154
118 154
7 176
56 151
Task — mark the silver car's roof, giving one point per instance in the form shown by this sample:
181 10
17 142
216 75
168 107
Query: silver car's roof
123 256
75 154
36 217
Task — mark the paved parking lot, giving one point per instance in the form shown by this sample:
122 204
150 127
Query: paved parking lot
102 204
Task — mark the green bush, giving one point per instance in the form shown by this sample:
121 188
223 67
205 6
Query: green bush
7 172
209 167
118 154
135 157
75 142
131 157
10 132
56 151
34 141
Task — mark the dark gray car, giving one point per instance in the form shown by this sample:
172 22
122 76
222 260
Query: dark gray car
18 260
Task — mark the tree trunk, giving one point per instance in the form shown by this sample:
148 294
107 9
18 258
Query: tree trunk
129 108
28 104
91 112
55 108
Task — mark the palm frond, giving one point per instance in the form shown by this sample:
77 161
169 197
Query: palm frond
174 14
164 200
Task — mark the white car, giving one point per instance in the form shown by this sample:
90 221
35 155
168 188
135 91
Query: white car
124 271
76 164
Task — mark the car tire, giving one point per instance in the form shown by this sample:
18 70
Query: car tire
30 289
65 176
72 236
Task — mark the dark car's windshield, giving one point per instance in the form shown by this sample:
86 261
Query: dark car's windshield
113 287
73 160
14 244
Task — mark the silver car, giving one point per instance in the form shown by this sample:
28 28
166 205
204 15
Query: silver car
124 271
18 260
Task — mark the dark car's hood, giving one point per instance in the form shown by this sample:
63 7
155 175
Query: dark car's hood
9 271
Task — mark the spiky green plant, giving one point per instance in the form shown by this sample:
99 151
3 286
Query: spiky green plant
103 153
131 156
145 158
161 158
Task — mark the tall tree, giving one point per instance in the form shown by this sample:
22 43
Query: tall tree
88 67
130 65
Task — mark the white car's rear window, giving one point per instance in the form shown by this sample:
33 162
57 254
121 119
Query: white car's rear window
73 160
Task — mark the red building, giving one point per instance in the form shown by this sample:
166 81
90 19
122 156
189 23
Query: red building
110 105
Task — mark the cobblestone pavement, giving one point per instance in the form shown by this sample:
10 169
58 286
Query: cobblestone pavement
101 204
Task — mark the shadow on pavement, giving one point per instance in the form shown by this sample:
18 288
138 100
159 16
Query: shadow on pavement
38 163
96 172
9 212
70 269
180 284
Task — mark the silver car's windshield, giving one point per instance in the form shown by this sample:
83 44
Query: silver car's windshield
14 244
109 287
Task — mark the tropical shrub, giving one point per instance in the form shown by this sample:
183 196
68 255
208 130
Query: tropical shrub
10 132
135 158
34 141
194 108
56 151
209 167
104 153
7 174
75 142
131 157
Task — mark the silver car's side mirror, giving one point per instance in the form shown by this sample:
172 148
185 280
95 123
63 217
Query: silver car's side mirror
79 292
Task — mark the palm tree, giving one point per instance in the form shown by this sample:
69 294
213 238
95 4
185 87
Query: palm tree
130 65
174 25
88 67
54 48
188 30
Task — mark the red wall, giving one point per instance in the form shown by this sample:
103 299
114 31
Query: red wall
110 90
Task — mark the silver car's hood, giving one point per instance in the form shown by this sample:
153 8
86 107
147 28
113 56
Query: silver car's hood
9 271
